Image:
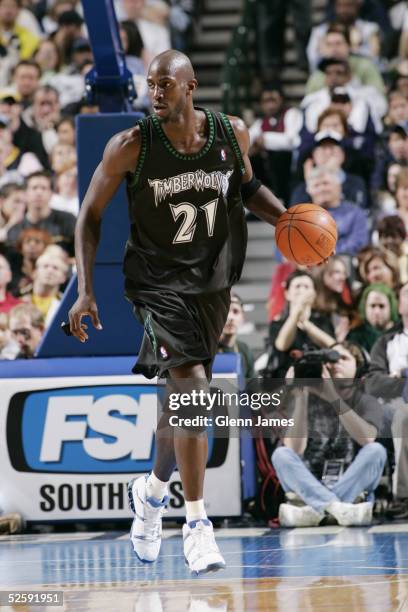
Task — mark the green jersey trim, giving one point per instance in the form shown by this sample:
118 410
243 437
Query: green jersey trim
233 141
182 156
142 155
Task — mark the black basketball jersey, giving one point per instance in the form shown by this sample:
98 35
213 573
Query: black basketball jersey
187 222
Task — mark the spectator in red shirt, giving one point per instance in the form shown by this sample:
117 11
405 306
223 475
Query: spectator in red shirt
7 301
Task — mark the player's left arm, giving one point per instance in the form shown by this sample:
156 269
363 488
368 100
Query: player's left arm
257 198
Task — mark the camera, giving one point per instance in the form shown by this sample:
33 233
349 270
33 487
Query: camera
310 364
332 470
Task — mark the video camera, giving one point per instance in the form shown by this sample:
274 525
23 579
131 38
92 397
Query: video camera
310 364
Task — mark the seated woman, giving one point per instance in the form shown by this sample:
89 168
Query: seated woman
300 328
334 296
378 266
378 311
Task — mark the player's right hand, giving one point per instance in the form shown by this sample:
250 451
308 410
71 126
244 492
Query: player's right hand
85 305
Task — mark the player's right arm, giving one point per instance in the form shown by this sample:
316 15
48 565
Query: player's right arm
119 158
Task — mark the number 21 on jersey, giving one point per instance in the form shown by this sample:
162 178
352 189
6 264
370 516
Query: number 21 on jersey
188 226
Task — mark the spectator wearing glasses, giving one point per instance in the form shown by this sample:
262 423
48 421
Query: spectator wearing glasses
26 325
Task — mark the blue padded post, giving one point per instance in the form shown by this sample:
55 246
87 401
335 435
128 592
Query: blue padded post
109 84
121 334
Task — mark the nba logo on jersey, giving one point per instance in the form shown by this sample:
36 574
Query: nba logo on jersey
223 155
163 352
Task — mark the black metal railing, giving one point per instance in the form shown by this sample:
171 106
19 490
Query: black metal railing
237 73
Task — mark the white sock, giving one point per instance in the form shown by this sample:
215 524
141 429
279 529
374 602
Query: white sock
156 488
195 510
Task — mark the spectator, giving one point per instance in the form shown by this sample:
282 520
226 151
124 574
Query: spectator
44 114
7 176
364 35
17 163
367 102
380 267
7 300
401 196
69 29
378 310
13 35
324 187
70 84
26 79
26 325
63 156
336 43
132 44
358 145
396 152
156 37
30 245
329 151
270 34
8 348
397 110
273 138
180 21
330 427
399 80
276 300
66 197
399 21
66 131
229 342
25 138
58 223
386 379
300 327
49 274
13 208
392 238
333 297
81 54
50 20
386 203
48 58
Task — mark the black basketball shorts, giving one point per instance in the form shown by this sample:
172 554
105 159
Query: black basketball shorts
179 329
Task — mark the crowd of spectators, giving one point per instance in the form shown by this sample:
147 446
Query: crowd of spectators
45 54
345 148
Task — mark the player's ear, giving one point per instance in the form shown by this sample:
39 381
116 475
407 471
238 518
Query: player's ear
192 86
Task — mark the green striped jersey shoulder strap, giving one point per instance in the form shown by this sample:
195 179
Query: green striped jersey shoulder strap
233 141
142 155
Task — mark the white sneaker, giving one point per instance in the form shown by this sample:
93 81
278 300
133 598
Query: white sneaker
201 552
351 514
298 516
146 529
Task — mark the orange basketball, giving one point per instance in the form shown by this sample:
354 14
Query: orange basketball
306 234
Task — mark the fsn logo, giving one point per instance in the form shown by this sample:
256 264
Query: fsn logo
104 436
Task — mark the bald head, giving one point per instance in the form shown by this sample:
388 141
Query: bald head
171 82
173 63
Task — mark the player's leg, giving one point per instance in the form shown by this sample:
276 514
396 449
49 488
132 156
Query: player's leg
191 449
148 495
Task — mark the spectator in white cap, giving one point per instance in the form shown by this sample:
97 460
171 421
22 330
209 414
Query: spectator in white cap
328 150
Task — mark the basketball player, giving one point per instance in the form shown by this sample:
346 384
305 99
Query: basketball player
188 173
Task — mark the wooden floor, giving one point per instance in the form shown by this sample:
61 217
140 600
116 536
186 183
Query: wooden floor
329 568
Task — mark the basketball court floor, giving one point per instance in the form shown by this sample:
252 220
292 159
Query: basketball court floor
329 568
